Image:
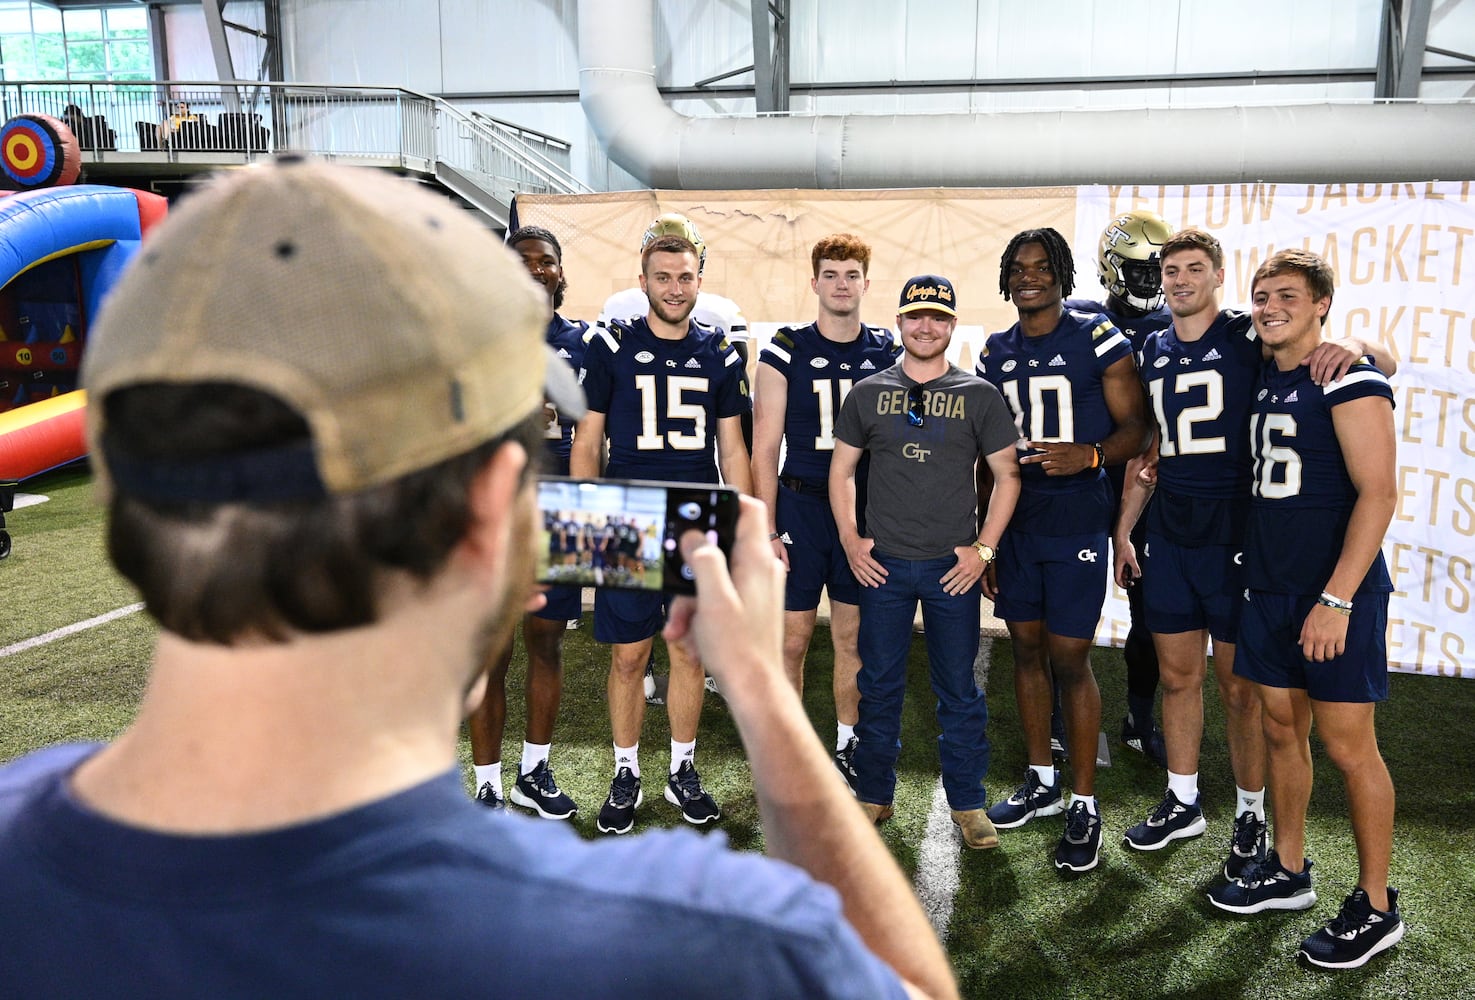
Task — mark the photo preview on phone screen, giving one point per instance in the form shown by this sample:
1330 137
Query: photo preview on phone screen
624 534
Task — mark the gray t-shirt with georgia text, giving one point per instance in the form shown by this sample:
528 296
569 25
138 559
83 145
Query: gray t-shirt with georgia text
922 494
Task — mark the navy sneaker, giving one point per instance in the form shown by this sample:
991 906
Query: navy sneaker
1148 742
488 796
617 815
684 789
1171 820
1031 799
1266 886
845 762
1248 844
537 791
1356 934
1079 849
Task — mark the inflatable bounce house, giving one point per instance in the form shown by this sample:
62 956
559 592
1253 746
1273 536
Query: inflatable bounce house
62 246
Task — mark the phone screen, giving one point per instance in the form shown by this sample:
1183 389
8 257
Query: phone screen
623 533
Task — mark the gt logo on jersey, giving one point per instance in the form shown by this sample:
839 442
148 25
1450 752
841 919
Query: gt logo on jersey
914 451
1086 555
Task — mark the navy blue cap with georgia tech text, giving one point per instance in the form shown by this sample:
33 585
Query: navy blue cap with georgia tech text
928 291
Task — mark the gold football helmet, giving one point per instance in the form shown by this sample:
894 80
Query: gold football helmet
1129 258
675 224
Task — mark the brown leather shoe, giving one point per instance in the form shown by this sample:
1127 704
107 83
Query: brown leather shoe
879 814
978 830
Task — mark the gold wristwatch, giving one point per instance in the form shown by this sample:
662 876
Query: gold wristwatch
985 551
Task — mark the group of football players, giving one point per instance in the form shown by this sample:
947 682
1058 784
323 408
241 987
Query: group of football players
1210 446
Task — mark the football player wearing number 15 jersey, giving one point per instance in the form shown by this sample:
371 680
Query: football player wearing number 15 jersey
661 389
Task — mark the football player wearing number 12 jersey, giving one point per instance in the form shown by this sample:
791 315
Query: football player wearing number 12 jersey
661 389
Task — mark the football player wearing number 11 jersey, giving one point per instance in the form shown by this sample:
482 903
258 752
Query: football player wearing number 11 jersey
804 374
661 389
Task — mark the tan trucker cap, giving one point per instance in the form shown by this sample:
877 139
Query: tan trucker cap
400 328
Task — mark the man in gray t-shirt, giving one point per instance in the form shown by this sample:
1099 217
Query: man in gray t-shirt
926 424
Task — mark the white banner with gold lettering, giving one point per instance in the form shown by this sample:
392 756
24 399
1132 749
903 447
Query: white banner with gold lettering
1404 255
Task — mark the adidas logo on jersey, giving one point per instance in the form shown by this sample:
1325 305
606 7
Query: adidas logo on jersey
1292 397
1213 354
866 364
693 363
1057 361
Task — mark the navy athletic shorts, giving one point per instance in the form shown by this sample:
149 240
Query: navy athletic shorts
563 604
1186 589
1269 648
628 615
1057 579
816 557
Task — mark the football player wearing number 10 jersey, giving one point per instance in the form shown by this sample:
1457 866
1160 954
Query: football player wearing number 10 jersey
804 375
661 389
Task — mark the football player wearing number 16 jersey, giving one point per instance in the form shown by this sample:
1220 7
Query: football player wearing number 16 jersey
804 375
1313 631
661 389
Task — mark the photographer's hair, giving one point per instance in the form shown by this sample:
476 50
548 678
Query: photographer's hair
1195 239
1318 274
841 246
539 233
668 244
227 572
1057 250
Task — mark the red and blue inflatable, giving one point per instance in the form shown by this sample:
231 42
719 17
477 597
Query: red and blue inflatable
61 251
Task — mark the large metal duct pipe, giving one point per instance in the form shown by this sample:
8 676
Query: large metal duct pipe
1305 143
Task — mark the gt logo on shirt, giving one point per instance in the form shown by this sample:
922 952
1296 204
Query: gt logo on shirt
915 451
1086 555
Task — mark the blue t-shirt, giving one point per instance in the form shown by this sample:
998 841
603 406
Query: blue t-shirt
422 894
820 374
1054 385
662 399
1302 497
566 337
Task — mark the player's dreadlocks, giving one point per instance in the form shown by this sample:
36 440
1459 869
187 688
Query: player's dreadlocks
1056 249
539 233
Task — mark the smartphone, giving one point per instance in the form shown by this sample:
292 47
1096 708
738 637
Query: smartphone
624 533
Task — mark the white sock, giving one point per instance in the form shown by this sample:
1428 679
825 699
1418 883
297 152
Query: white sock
1253 802
628 757
1046 773
1090 801
533 754
682 752
1184 787
843 735
489 774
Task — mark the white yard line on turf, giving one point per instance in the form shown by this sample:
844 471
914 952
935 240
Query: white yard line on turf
66 630
937 856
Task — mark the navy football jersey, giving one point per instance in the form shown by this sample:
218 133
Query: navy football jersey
1200 394
1053 385
1302 497
820 374
1135 328
662 399
566 337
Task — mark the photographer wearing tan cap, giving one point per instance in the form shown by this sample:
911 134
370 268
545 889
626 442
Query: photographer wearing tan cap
313 400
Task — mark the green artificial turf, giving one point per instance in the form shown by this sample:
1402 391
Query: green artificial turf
1138 927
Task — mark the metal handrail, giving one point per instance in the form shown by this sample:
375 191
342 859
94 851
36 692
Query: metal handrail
382 125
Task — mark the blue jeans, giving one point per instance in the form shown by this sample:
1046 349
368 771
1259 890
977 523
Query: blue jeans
951 626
